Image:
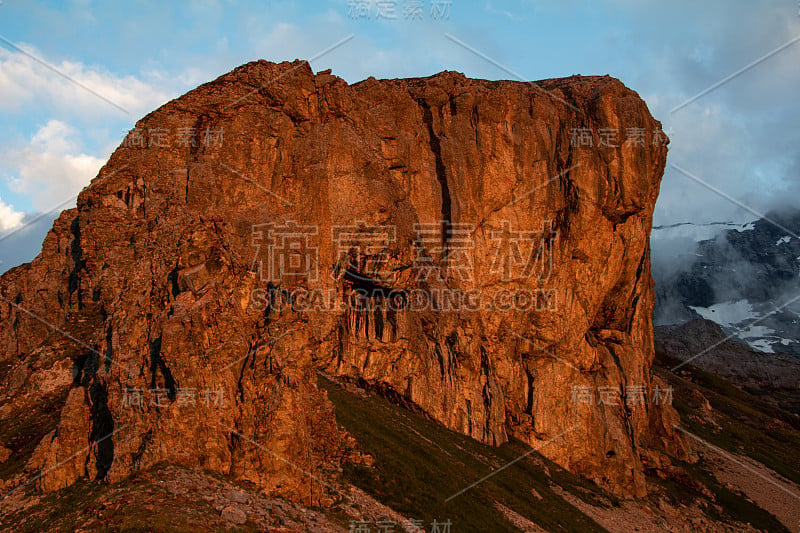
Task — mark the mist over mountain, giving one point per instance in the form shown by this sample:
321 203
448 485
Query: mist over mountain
741 276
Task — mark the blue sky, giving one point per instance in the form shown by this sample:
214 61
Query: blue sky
739 142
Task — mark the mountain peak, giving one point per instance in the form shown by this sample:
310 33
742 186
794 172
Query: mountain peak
442 240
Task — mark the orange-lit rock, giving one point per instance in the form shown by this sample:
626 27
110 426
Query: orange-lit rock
163 271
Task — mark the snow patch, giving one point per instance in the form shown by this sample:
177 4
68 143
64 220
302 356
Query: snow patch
694 232
747 227
758 338
726 314
754 332
784 239
730 314
762 345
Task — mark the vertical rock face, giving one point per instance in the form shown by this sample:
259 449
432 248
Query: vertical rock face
444 240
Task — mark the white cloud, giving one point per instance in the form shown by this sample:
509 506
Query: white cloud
739 138
9 218
24 82
51 168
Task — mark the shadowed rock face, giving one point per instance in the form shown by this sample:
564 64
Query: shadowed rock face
324 227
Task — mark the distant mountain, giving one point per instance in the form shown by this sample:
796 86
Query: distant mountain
704 344
744 278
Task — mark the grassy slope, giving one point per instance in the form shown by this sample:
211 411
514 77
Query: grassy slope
749 426
419 464
138 504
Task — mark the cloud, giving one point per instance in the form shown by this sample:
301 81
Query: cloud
491 9
51 168
9 218
28 79
740 137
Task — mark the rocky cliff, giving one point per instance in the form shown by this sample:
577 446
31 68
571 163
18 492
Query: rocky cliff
475 250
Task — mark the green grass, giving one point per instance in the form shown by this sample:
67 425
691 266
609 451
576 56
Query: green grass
749 425
59 506
135 506
727 506
419 464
